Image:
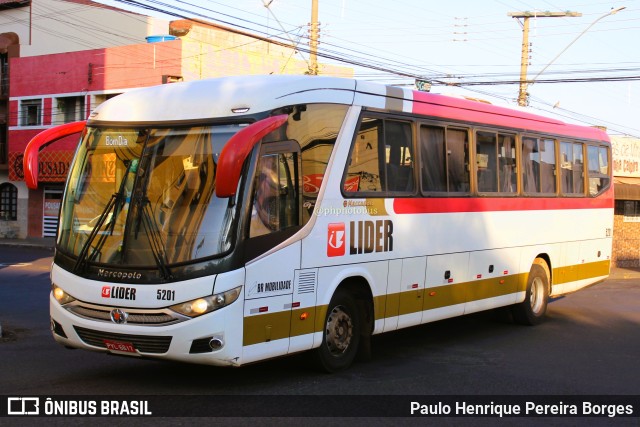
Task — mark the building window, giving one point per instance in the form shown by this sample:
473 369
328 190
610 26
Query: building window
69 109
631 211
8 202
31 112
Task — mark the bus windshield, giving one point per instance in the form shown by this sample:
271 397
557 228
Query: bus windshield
145 197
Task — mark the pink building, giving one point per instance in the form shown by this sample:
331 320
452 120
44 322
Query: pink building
52 89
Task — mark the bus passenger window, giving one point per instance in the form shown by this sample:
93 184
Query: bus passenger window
598 161
486 151
399 156
571 168
507 163
433 160
547 166
444 159
363 172
381 158
530 165
458 160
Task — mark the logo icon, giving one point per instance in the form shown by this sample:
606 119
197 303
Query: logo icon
336 239
23 406
118 316
106 292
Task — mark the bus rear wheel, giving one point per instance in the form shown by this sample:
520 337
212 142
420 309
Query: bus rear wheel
341 335
534 307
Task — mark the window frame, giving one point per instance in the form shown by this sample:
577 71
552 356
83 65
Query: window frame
411 122
446 127
598 175
497 133
24 114
573 143
540 139
8 202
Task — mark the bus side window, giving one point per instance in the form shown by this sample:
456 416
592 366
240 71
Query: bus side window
507 163
458 160
486 168
547 166
598 161
399 156
381 158
433 161
571 168
530 165
363 171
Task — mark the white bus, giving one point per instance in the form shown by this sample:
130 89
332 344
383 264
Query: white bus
232 220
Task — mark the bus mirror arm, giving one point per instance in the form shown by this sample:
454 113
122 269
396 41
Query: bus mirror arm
236 151
40 141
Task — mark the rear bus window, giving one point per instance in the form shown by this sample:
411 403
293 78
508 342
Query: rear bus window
598 161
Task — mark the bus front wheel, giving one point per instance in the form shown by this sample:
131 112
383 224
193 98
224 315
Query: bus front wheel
341 335
532 310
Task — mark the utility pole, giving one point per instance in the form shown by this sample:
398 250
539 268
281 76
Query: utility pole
313 39
523 96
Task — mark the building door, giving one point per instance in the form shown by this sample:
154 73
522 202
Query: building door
51 210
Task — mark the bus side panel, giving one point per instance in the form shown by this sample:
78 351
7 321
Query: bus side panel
411 291
392 300
304 310
268 302
494 279
566 273
446 281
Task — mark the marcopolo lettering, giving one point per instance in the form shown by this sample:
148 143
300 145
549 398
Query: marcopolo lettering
110 274
370 236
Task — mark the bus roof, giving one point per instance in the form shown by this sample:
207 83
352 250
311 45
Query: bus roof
246 95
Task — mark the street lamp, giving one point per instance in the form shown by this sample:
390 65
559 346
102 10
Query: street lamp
611 12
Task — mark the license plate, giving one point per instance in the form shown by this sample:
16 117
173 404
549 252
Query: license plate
120 346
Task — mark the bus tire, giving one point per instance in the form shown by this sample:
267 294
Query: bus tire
341 334
532 310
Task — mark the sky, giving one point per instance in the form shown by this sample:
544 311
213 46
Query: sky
464 47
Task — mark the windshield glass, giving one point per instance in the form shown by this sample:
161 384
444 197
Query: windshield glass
145 197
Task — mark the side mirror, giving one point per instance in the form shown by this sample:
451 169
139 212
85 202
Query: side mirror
236 151
38 142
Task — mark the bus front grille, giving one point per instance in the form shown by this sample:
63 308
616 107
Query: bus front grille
136 317
142 343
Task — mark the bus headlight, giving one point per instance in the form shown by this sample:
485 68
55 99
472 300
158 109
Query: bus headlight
60 295
205 305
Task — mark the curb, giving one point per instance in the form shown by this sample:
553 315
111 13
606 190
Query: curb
27 244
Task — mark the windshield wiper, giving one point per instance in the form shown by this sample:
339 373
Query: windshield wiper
156 243
82 256
115 203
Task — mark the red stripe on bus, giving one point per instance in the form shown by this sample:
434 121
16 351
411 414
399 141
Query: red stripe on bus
435 105
493 204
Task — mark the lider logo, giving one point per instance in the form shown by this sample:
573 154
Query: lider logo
336 239
106 292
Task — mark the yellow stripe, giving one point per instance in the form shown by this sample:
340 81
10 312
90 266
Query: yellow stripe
573 273
271 326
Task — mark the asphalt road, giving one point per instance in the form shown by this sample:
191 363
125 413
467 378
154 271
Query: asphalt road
589 345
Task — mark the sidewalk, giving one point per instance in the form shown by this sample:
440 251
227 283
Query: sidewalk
32 242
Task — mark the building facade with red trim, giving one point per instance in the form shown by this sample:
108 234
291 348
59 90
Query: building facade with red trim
49 90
